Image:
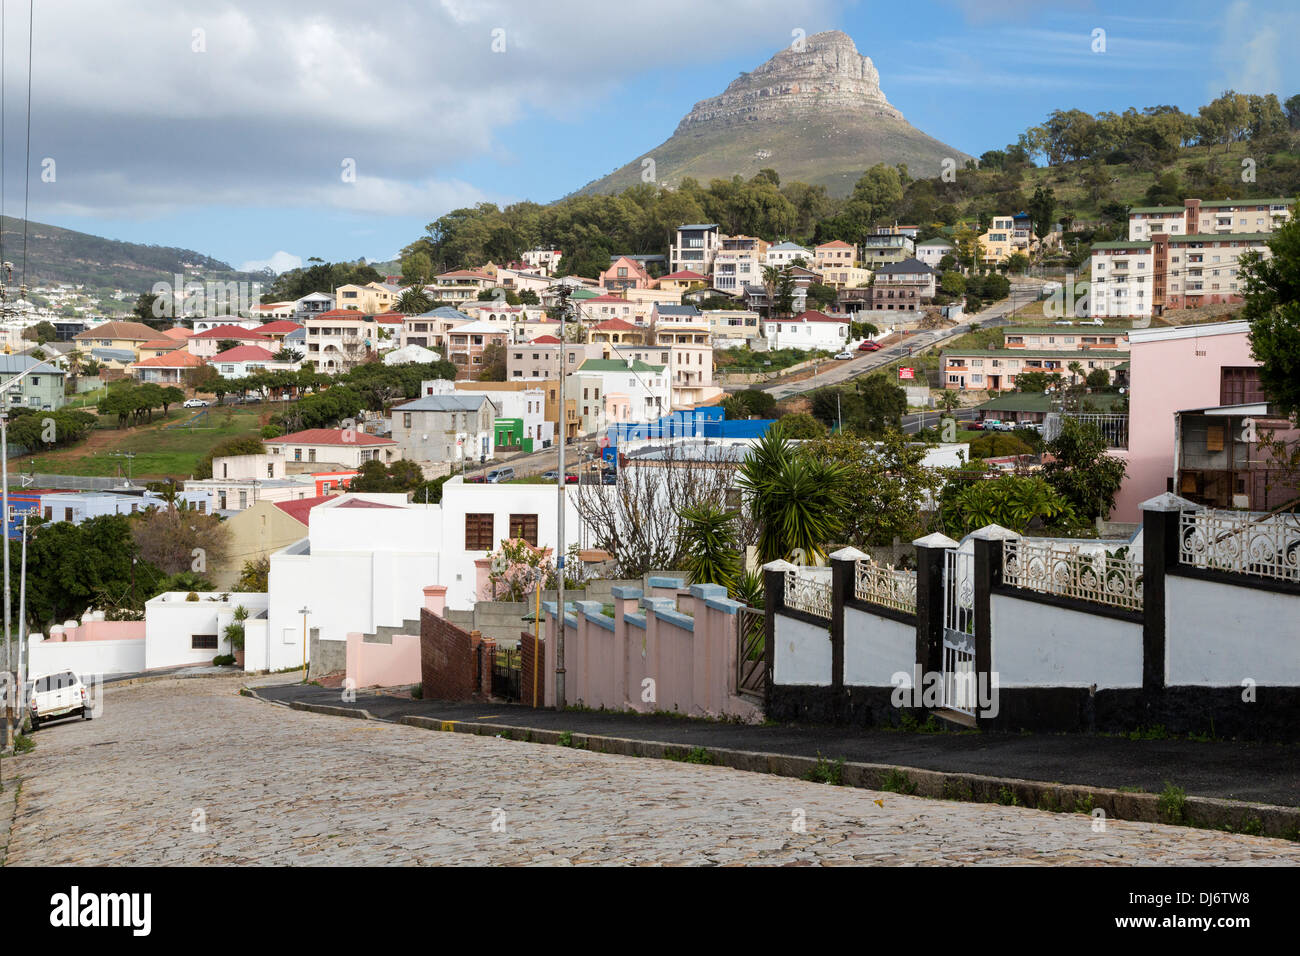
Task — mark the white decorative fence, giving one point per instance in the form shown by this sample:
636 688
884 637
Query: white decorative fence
885 585
1240 543
1063 570
807 594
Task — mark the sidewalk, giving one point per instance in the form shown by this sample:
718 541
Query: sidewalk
1231 770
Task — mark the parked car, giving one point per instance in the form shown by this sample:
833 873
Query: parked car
844 355
869 347
498 475
56 696
476 479
975 425
551 475
195 403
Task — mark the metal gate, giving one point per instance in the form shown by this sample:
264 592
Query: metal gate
507 673
959 677
751 667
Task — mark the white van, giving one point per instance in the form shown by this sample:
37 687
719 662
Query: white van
55 696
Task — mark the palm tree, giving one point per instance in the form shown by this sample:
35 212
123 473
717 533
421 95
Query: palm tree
795 499
414 301
708 545
771 276
1076 371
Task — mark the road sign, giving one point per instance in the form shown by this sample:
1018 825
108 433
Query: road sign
905 372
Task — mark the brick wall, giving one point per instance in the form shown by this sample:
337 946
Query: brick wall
532 654
450 667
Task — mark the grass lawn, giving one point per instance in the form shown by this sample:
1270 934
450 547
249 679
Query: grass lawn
159 452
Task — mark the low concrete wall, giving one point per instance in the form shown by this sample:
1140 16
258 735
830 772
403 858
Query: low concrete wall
374 664
326 657
672 650
86 657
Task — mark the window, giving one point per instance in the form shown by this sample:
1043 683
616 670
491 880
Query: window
203 642
1240 386
478 532
524 526
406 419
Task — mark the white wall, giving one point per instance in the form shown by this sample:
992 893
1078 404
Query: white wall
171 621
85 657
876 648
1220 635
802 652
1039 645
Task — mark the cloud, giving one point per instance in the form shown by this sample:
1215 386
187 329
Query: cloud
280 261
1249 55
186 104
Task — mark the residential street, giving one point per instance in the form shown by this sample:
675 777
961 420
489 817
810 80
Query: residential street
188 772
837 373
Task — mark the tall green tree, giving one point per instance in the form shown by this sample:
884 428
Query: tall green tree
1271 288
795 500
710 553
1086 477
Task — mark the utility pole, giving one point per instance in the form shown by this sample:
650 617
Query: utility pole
22 621
4 505
563 294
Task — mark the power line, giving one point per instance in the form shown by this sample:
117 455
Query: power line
27 167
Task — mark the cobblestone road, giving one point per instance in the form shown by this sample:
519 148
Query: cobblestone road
275 786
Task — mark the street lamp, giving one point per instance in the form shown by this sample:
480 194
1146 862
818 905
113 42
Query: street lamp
304 611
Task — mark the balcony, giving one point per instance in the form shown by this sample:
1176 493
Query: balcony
1113 428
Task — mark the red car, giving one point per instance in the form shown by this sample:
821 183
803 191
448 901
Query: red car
869 347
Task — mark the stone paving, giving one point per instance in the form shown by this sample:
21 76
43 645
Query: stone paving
188 772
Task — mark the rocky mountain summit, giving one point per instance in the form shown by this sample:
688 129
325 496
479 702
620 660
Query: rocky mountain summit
814 112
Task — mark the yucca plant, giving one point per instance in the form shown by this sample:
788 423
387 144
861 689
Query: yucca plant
708 542
794 499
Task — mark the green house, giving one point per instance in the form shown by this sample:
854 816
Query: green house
509 433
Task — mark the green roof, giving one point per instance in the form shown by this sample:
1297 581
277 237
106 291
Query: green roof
1042 402
1062 330
615 365
1219 236
1122 244
1072 354
1157 209
936 242
584 294
1216 203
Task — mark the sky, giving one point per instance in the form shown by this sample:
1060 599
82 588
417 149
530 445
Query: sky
263 133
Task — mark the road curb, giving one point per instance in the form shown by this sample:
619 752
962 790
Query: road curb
1207 813
1210 813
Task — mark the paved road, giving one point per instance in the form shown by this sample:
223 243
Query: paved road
842 371
186 772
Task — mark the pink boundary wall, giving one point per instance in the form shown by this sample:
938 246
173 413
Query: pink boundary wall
383 665
97 631
682 639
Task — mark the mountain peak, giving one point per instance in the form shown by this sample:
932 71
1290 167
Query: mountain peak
823 72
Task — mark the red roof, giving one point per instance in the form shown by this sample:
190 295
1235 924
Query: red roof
339 314
615 325
814 316
177 359
458 273
835 244
362 503
178 332
686 274
231 332
389 318
245 353
328 436
544 340
298 510
281 327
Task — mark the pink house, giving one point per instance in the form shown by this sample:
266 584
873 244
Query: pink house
1194 389
625 273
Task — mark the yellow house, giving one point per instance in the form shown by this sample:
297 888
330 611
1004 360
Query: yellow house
371 298
122 336
253 534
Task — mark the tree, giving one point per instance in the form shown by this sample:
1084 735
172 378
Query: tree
149 308
1012 501
1081 471
202 378
952 283
413 301
1041 209
40 333
822 296
882 404
1032 382
1098 378
1271 289
1292 107
891 487
417 270
801 426
254 576
172 539
749 403
995 445
494 363
1017 263
710 553
795 499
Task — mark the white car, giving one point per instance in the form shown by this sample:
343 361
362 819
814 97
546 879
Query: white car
55 696
844 355
196 403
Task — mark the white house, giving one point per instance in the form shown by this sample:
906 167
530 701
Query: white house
243 360
181 631
528 405
784 253
932 251
808 331
346 447
619 390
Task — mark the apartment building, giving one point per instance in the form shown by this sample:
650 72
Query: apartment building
371 298
694 248
540 359
1209 217
1053 338
340 340
882 249
602 308
466 344
619 390
995 370
901 287
1145 278
545 261
429 328
785 253
738 262
461 285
